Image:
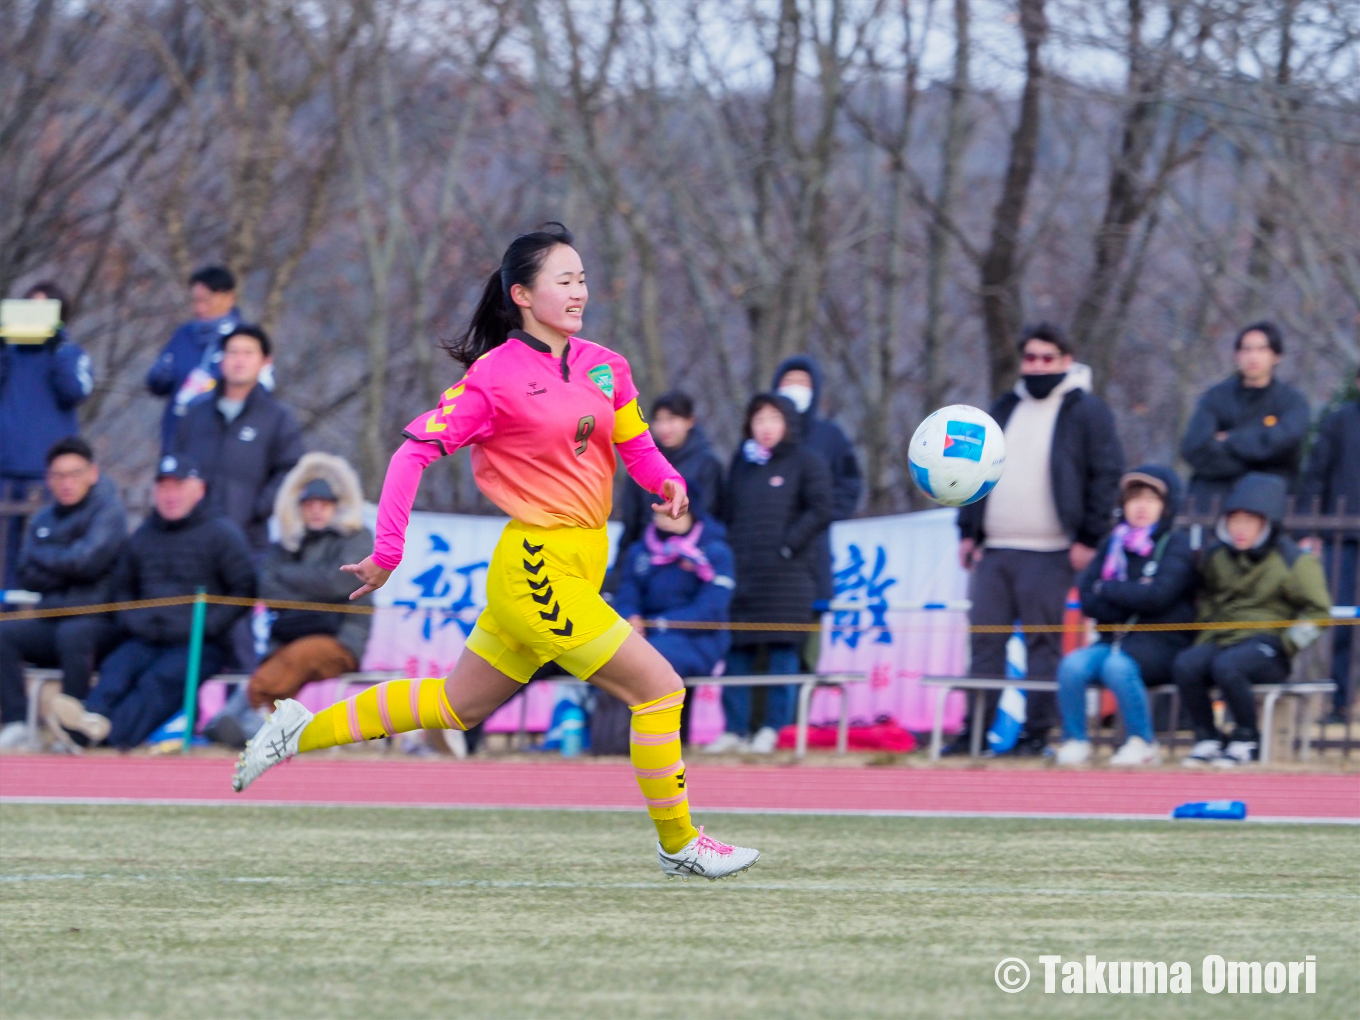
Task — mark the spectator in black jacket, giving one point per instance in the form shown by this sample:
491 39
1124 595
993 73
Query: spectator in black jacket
1250 422
319 511
800 380
1333 476
686 446
178 549
1041 524
778 501
243 440
1143 573
68 554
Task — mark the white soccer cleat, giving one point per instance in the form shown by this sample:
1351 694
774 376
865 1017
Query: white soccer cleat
704 857
276 742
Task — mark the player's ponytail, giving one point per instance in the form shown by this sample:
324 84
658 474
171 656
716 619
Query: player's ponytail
496 315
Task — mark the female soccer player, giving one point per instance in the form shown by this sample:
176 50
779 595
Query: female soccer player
543 411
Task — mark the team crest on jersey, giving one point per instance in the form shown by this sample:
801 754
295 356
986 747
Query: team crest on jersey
603 377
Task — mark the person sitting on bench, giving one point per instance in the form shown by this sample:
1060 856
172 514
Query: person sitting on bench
319 510
1143 573
1253 574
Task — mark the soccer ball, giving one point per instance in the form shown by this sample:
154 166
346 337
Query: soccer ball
957 454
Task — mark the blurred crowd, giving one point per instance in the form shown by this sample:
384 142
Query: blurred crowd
1067 512
754 548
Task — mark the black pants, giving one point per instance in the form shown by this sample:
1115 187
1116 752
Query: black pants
1015 584
1232 669
73 644
141 686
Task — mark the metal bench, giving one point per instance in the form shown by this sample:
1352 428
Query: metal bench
806 683
979 686
1268 695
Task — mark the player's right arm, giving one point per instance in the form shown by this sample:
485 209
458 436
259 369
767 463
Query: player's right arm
464 415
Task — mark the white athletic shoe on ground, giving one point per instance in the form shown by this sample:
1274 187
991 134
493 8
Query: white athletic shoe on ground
765 740
1203 753
1137 751
1074 752
14 736
72 716
1238 752
276 742
704 857
725 744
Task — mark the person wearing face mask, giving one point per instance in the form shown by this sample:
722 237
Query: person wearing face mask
778 502
799 379
1041 524
1249 422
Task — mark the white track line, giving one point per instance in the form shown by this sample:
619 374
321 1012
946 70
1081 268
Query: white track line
866 813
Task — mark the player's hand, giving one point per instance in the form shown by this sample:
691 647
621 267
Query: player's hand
373 576
677 499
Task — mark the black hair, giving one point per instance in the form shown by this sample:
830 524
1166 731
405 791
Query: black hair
49 290
496 315
677 402
71 444
1050 332
1273 334
217 279
781 404
257 333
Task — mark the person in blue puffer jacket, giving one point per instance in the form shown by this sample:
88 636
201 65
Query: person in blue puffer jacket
680 570
190 365
41 385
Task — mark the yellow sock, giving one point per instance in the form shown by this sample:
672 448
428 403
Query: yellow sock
397 706
654 746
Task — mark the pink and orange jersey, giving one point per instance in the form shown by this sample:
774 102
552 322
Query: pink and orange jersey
543 431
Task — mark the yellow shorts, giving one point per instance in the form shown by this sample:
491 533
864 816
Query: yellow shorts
543 603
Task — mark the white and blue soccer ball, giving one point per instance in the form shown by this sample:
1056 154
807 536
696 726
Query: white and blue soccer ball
957 455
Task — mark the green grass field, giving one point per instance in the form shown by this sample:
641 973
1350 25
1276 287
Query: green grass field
317 912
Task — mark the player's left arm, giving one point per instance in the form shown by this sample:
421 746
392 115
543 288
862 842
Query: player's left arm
645 464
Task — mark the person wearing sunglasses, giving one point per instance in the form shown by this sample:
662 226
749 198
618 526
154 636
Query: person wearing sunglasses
1250 421
1042 523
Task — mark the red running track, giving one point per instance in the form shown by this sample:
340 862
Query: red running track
554 783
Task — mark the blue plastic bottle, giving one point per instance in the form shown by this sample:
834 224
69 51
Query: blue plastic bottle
573 731
1229 810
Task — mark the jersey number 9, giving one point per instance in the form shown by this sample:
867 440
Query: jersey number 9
584 428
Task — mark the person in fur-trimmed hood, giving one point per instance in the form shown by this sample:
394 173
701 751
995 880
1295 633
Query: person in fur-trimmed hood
319 512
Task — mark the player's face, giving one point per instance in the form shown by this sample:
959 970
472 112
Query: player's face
558 296
768 427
